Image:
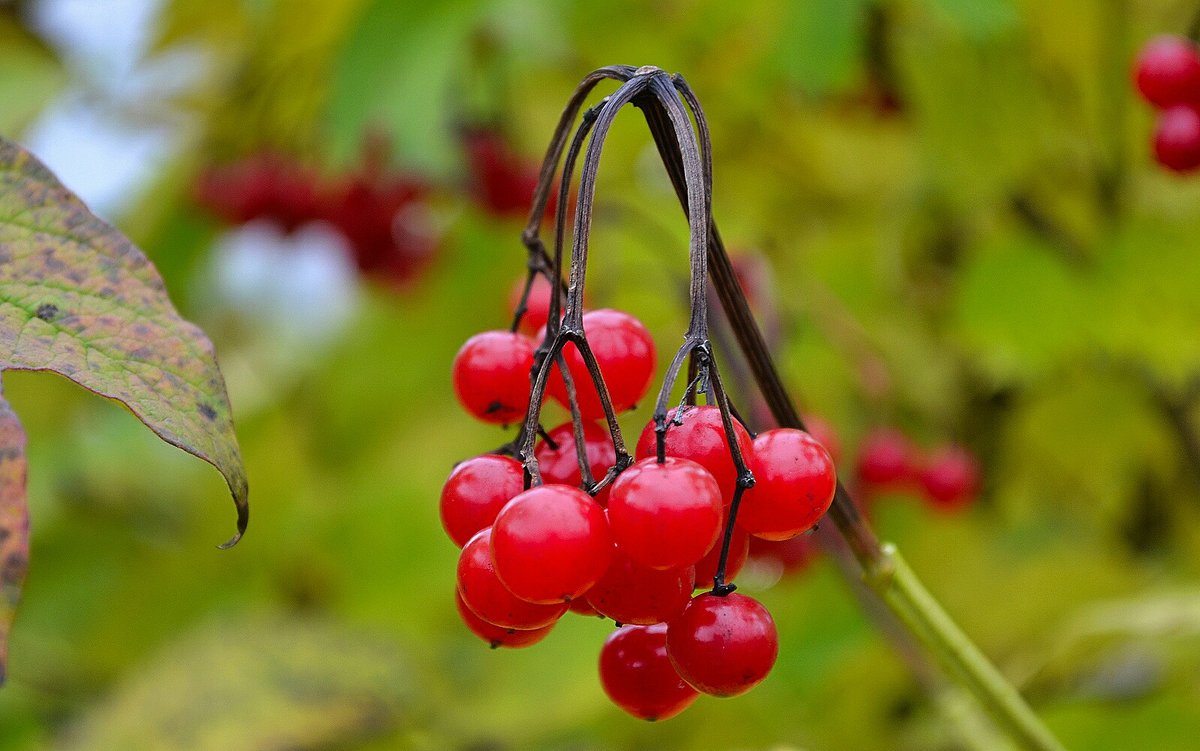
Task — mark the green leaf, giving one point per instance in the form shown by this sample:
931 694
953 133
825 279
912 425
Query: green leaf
77 298
14 521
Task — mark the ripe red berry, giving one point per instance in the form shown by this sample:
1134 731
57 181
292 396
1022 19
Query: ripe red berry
794 484
723 646
625 353
1177 138
501 181
495 635
637 674
476 491
665 515
489 599
885 457
739 549
551 544
632 593
561 465
950 478
1167 71
701 438
491 375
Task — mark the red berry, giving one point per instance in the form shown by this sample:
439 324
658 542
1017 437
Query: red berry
495 635
637 674
625 353
739 548
794 481
502 182
264 186
723 646
1167 71
665 515
551 544
561 465
885 457
820 429
491 375
701 438
632 593
1177 138
950 478
476 491
489 599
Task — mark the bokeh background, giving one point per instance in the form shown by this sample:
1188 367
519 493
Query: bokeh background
951 222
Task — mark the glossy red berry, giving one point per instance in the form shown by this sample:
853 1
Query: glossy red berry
561 465
1177 138
794 481
885 457
491 376
665 515
950 478
551 544
701 438
489 599
632 593
1167 71
625 353
723 646
739 548
476 491
638 676
496 636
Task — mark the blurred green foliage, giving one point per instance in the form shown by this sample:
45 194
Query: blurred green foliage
967 238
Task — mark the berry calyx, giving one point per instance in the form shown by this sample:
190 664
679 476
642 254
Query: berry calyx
665 515
638 676
476 491
624 351
700 436
723 645
1167 71
632 593
950 478
558 462
794 485
551 544
488 598
1177 138
491 375
496 636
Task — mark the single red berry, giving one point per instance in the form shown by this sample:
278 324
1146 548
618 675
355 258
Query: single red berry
665 515
1177 138
551 544
491 375
496 636
739 548
501 181
701 438
476 491
794 481
723 645
1167 71
632 593
561 465
580 606
637 674
950 478
625 353
885 457
489 599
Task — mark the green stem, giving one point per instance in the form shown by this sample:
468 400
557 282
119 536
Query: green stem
907 597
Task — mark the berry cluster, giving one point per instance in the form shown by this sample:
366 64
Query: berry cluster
947 477
1167 74
384 216
626 538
